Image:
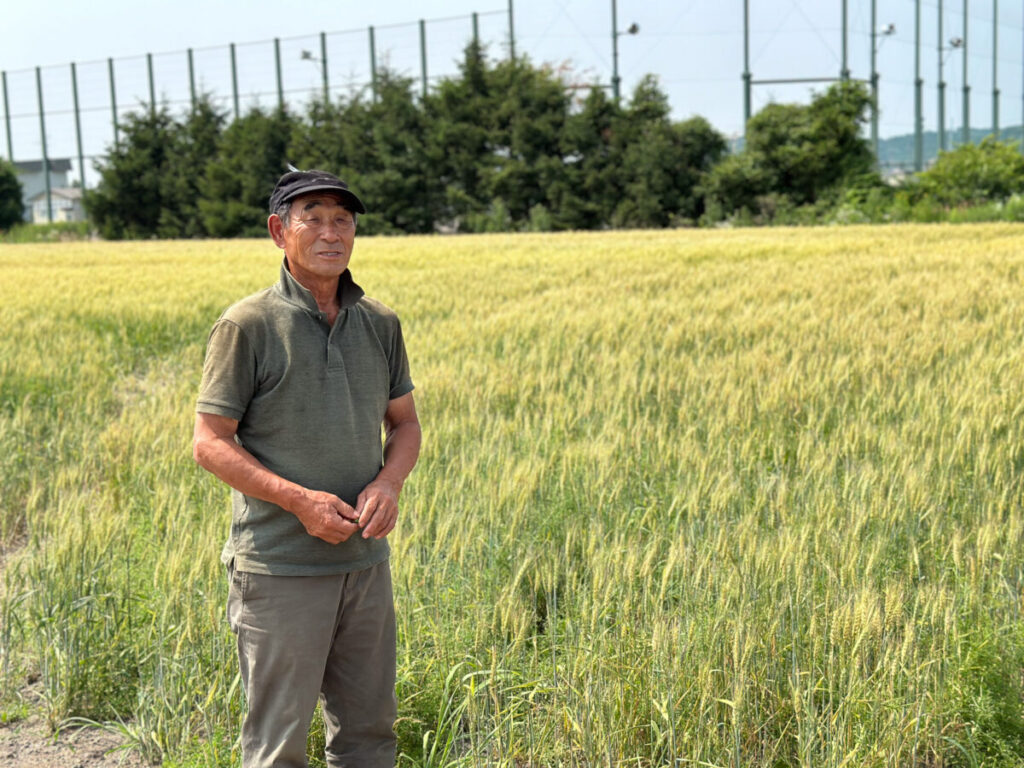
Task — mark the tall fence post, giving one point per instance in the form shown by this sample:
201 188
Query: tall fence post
918 85
42 134
234 79
152 88
966 131
7 120
615 53
423 55
511 32
277 67
78 125
874 79
844 72
995 88
746 66
942 89
191 79
113 102
323 66
373 64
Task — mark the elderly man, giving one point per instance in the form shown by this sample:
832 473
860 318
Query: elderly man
298 380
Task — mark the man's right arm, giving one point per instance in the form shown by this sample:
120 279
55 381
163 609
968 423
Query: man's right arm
215 449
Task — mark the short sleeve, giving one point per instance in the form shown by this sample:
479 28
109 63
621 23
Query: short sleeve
229 372
398 363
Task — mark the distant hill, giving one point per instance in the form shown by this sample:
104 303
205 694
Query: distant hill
897 152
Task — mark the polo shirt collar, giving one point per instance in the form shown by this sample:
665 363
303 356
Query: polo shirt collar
294 292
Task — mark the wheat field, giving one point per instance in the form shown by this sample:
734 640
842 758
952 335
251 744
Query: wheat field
686 498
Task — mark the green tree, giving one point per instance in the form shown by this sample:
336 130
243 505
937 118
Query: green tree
459 142
238 182
496 136
128 201
797 154
379 147
663 163
592 152
150 181
197 141
528 114
10 196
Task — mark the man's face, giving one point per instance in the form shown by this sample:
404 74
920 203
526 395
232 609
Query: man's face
319 237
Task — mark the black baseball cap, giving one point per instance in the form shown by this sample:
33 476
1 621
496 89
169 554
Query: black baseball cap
295 183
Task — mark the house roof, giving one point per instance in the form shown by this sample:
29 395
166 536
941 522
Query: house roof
57 165
68 193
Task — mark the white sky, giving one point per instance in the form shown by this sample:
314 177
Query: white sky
694 46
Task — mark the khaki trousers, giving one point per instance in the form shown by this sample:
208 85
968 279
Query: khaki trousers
304 637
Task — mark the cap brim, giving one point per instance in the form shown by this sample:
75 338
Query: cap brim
348 198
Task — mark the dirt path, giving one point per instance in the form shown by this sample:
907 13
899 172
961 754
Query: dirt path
28 744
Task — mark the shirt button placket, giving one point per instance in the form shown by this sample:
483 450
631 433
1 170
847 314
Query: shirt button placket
335 361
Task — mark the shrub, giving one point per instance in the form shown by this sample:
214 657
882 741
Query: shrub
972 174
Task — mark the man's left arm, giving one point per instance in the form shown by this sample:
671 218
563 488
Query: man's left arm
377 505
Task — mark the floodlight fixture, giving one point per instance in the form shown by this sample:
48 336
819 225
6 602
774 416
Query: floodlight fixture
883 32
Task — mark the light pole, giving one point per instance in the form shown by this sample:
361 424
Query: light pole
320 62
632 30
886 31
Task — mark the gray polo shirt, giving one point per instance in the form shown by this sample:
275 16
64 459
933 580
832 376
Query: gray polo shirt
310 400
